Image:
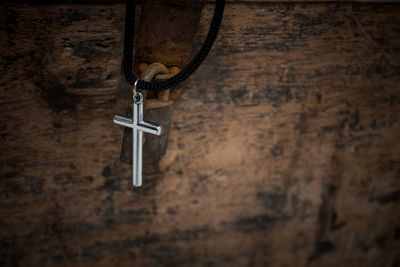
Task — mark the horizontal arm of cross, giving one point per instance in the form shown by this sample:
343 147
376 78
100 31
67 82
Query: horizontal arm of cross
148 127
143 126
123 121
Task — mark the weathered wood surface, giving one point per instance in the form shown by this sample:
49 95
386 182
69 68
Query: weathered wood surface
112 2
283 150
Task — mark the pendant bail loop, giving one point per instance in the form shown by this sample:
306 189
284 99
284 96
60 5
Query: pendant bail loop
138 98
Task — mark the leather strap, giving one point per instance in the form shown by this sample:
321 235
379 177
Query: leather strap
167 31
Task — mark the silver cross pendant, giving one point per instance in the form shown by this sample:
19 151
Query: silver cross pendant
138 127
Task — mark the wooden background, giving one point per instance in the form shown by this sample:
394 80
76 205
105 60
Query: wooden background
284 147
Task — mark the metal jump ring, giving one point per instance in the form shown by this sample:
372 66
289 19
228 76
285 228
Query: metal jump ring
134 88
137 96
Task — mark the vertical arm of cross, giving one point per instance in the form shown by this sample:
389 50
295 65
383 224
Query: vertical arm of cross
137 144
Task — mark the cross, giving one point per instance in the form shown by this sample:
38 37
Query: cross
138 127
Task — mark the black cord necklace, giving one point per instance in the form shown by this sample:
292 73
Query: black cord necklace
187 71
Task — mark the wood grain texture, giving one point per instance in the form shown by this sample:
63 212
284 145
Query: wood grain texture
229 2
283 149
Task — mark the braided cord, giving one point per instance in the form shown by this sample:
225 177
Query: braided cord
188 70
